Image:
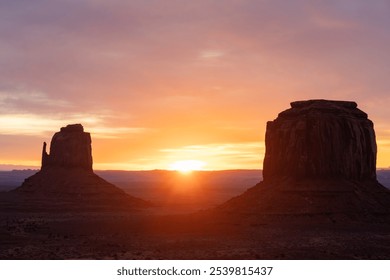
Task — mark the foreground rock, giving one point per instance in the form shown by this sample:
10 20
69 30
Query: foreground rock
66 179
320 159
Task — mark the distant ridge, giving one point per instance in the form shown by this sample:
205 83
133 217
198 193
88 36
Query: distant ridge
11 167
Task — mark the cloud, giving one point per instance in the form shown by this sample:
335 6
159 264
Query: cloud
80 49
35 125
210 54
22 101
181 66
233 155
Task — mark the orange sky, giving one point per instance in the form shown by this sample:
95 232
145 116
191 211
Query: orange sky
161 81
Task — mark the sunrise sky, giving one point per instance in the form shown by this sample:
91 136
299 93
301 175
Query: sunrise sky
161 81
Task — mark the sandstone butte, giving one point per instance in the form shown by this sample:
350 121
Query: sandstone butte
320 159
66 178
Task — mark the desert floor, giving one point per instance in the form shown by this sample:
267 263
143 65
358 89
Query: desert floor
146 234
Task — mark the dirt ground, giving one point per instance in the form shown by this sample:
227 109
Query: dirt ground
147 234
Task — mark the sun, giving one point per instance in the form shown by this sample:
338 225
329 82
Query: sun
187 166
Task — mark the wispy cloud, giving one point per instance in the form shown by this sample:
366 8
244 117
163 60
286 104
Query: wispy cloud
383 143
31 124
106 132
211 54
195 71
231 155
222 148
22 100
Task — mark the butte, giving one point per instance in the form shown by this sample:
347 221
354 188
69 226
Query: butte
320 161
67 181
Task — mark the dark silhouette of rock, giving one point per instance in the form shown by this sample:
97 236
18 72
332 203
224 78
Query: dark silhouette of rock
67 179
69 148
320 139
320 159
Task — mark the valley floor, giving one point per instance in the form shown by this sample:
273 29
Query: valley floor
205 235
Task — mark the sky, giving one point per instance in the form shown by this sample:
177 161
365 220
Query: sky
161 81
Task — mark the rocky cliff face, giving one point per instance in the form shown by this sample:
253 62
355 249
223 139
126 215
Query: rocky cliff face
320 160
69 148
320 139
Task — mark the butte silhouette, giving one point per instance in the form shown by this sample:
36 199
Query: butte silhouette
320 159
66 178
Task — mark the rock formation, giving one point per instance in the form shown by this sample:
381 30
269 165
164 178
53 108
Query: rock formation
69 148
67 179
320 139
320 159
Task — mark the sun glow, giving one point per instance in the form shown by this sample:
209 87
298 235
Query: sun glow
187 166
